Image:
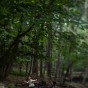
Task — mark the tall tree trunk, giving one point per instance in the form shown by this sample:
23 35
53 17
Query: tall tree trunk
35 64
7 62
44 71
41 68
30 68
59 67
68 73
41 59
49 52
85 17
35 68
20 67
27 67
85 74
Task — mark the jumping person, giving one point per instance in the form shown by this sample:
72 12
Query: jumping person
30 81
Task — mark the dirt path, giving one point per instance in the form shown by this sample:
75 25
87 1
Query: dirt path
75 85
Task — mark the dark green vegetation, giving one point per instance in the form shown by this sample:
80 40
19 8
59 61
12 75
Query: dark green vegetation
45 37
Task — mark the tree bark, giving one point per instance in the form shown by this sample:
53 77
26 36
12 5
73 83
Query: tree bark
27 68
59 65
30 67
20 67
41 68
85 74
35 65
49 51
67 74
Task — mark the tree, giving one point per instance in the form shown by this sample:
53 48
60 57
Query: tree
23 17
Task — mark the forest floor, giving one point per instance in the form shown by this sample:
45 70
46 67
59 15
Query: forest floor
75 85
19 79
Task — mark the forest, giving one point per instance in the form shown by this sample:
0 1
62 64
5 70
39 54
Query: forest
45 39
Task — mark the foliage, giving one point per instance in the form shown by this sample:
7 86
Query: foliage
24 27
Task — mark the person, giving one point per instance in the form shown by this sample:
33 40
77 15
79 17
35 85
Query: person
30 81
53 84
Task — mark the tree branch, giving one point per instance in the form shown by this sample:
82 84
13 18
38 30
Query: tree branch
19 36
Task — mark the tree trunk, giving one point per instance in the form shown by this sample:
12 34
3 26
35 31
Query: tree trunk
67 75
27 68
58 66
20 67
49 52
35 65
85 74
85 17
41 68
7 62
35 68
44 71
30 68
